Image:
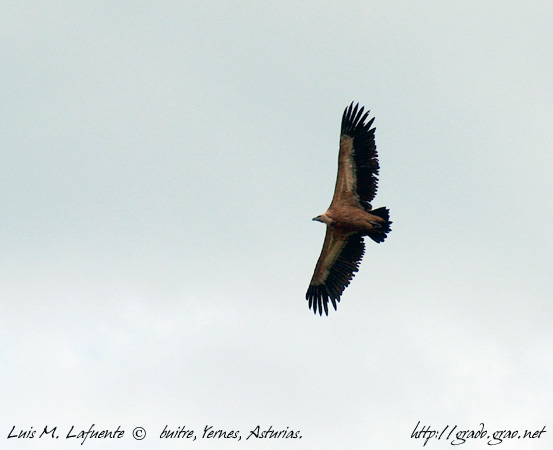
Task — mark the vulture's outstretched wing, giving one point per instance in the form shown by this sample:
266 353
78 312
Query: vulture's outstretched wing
357 178
339 260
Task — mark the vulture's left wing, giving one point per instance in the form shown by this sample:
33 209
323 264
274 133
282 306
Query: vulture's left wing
357 178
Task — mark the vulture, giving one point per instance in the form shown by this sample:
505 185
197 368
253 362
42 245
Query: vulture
350 216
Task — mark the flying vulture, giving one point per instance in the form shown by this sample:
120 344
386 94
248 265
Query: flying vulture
350 216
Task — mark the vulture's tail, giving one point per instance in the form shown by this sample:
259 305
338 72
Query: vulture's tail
383 228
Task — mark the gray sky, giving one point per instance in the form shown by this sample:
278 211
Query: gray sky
160 165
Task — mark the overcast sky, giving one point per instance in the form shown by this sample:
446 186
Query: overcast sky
160 163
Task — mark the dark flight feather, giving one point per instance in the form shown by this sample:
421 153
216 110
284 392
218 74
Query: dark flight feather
365 155
339 276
